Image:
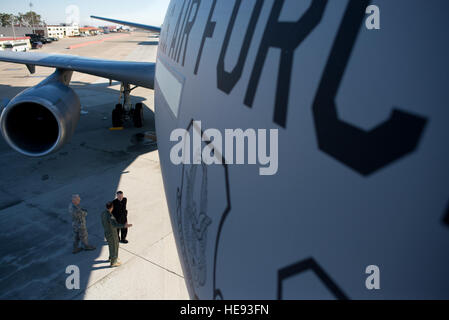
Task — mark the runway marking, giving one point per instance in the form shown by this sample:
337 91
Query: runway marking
153 263
83 291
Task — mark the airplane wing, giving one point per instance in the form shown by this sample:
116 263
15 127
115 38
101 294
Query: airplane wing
136 73
131 24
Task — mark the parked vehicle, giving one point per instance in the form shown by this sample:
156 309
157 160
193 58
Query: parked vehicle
36 45
15 47
38 38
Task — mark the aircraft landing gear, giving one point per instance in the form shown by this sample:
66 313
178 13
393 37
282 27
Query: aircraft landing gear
138 115
125 111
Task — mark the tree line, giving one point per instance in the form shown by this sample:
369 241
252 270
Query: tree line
28 19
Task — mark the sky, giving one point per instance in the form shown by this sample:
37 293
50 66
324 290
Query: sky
150 12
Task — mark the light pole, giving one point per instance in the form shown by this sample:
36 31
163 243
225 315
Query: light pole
13 19
32 17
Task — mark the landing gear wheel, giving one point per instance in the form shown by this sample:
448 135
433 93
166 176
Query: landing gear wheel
117 116
138 115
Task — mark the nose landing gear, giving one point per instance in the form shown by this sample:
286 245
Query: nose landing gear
125 111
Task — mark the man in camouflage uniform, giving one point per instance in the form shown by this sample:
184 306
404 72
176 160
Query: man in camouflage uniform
110 226
79 225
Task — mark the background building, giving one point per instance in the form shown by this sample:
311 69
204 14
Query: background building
62 31
56 31
90 31
18 31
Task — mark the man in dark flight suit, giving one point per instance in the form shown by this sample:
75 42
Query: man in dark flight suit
121 215
110 225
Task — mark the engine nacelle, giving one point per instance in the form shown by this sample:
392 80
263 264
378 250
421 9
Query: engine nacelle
41 119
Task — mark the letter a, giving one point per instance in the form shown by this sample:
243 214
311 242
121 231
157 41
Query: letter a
73 280
373 21
373 281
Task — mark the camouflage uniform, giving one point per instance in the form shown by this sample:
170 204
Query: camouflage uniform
110 226
79 225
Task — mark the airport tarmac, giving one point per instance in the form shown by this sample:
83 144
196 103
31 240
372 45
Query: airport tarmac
36 234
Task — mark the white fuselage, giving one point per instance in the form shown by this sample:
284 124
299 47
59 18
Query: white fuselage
361 116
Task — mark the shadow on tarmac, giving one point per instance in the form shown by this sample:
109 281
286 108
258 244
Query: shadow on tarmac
36 241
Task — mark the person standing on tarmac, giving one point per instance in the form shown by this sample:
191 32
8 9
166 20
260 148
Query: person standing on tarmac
79 225
110 226
121 215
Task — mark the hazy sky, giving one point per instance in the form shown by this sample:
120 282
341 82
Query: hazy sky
54 12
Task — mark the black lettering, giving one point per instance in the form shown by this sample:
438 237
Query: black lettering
363 151
287 37
308 265
226 81
208 33
181 33
166 27
188 29
176 32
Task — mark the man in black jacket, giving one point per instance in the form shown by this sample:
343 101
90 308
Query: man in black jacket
121 215
110 225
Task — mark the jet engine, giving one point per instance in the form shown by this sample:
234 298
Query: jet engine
41 119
